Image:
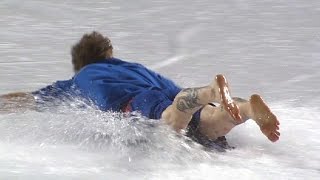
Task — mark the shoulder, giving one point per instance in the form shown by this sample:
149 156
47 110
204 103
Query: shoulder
60 84
54 90
68 82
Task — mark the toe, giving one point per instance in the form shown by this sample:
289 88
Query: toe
273 137
277 133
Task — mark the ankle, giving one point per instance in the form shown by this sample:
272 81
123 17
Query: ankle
246 111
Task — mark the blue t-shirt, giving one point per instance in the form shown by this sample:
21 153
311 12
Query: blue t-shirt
109 84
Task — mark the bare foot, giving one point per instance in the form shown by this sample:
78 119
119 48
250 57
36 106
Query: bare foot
268 122
226 100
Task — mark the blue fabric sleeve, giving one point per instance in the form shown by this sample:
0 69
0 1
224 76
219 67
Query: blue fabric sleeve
59 90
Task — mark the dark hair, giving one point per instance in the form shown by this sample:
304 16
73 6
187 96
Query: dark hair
90 49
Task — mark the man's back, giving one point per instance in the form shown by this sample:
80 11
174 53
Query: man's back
111 83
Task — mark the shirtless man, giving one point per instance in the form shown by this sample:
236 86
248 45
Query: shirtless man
113 84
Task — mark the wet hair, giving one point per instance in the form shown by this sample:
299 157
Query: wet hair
90 49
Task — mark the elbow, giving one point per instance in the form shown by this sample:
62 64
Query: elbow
173 120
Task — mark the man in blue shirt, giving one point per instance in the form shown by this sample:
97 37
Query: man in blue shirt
113 84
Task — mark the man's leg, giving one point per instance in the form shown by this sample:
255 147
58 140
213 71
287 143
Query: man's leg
216 122
189 100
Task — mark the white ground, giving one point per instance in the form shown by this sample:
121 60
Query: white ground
265 47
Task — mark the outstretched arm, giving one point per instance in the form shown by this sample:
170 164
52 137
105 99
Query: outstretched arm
18 101
22 101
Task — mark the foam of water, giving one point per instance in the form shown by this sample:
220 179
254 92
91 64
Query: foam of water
91 144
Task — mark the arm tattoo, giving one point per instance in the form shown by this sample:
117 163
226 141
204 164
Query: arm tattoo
188 100
221 108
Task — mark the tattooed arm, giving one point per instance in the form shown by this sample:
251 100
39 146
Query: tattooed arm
188 100
185 104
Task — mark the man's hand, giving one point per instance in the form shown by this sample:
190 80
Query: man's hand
18 101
